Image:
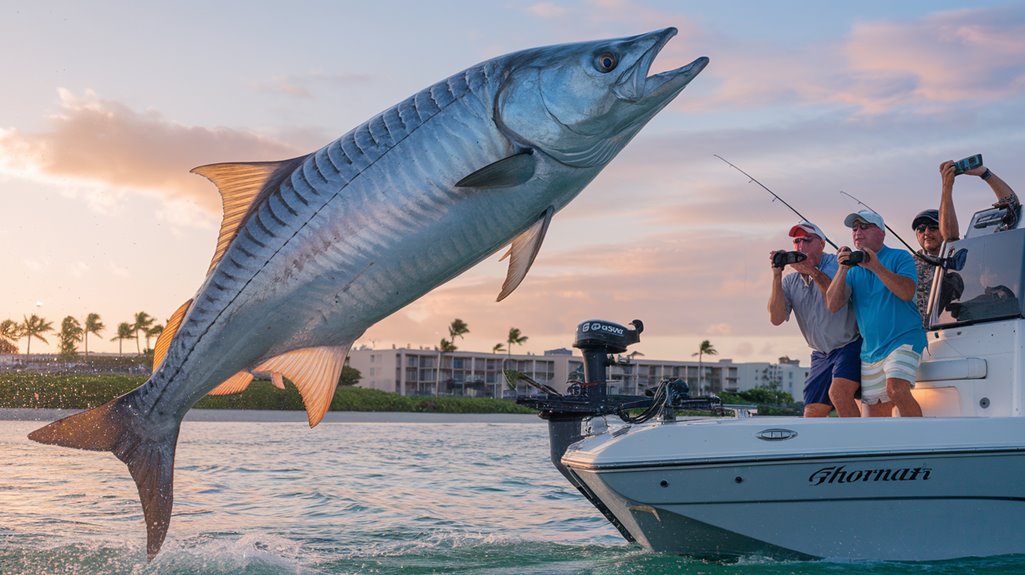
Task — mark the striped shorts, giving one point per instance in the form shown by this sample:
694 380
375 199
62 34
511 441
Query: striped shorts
902 363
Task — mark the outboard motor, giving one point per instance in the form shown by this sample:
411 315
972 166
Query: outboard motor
599 341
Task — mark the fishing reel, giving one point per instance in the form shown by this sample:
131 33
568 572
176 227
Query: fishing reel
782 259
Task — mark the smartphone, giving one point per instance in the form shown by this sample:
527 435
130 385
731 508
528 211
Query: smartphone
963 165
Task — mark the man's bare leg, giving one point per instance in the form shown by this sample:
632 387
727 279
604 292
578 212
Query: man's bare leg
817 409
899 391
841 393
881 409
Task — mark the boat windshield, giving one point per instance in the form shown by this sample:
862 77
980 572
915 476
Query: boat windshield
988 287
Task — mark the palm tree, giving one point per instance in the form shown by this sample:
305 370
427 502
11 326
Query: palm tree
500 346
70 334
93 325
457 328
34 327
124 331
10 333
704 349
154 331
515 337
143 322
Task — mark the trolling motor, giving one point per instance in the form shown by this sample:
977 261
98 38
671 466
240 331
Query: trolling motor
598 341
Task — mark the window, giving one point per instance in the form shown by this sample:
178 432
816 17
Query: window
988 286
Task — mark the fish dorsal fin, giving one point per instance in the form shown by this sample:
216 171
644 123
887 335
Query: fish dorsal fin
164 341
315 372
239 184
523 250
504 173
234 384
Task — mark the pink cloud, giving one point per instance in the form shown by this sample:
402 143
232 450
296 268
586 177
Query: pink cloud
98 142
944 58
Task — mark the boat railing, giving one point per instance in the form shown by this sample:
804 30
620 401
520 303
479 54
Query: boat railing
741 411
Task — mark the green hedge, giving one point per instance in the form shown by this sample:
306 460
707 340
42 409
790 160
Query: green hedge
64 391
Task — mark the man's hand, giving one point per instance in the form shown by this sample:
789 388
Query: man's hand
947 173
775 270
842 255
871 262
804 267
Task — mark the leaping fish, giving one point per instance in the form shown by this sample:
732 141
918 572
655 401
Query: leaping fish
316 249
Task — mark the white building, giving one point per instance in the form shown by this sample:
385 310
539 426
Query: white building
408 371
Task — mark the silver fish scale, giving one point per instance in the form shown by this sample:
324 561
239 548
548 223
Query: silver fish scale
295 205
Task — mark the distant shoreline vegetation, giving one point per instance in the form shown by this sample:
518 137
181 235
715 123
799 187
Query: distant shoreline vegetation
82 391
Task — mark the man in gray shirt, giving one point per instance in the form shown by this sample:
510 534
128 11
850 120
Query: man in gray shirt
835 376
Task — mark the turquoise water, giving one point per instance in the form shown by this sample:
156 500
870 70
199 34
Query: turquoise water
403 498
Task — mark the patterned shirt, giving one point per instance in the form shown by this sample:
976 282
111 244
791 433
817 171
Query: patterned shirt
925 274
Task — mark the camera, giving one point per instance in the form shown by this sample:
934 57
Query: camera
963 165
782 259
855 258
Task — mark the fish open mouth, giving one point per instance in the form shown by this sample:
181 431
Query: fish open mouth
635 84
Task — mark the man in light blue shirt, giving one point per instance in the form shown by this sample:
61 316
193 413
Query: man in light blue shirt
882 291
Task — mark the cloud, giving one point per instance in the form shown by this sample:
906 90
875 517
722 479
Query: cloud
921 66
305 85
96 143
547 10
963 55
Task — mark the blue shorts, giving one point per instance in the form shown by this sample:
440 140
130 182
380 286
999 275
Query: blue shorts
843 362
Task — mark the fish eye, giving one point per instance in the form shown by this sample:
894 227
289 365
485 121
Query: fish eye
605 62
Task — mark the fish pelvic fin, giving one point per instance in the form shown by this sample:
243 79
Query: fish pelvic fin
504 173
164 341
523 250
234 384
314 371
116 426
240 185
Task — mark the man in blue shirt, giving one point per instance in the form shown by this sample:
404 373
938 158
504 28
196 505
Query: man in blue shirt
833 337
882 291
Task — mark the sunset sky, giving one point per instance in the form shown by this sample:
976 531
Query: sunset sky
106 106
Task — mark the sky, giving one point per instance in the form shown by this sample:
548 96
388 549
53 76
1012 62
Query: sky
106 107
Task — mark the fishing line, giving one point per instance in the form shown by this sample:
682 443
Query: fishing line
912 250
835 247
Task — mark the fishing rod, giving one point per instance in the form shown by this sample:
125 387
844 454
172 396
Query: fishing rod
912 250
784 202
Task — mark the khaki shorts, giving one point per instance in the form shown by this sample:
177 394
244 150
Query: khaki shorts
902 363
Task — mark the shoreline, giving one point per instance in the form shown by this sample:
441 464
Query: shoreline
282 416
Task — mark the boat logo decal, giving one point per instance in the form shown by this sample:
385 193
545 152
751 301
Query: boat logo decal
776 434
597 326
836 474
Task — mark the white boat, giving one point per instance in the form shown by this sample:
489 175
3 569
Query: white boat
948 485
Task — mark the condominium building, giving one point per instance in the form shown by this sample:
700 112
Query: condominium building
410 371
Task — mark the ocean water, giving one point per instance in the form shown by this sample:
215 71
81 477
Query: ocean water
381 498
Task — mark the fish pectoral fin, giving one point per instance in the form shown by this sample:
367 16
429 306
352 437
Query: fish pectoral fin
314 371
240 184
164 341
234 384
504 173
523 250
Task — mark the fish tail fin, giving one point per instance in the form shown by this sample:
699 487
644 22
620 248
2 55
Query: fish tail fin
116 426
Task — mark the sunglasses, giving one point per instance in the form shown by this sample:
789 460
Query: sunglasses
922 227
863 226
803 240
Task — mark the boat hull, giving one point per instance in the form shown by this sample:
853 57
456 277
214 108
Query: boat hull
946 498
